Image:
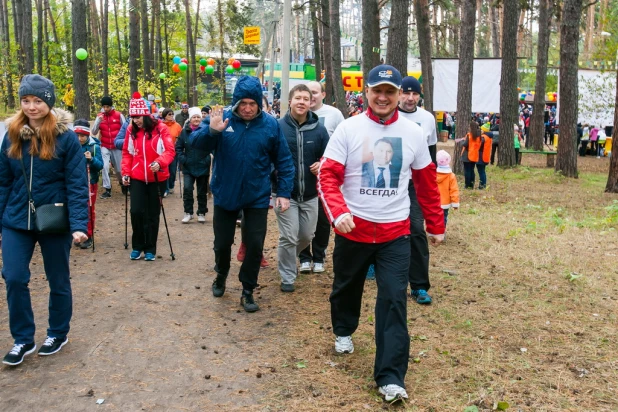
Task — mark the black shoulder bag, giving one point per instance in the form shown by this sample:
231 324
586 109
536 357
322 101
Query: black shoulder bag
52 218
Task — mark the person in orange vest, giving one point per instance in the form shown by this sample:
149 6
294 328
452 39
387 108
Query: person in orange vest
476 151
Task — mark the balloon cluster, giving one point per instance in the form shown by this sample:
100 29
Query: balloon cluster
206 65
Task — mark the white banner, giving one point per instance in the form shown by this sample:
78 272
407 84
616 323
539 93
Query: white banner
485 85
597 97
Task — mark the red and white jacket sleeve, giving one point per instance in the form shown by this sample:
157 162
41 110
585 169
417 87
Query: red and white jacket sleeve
330 179
428 196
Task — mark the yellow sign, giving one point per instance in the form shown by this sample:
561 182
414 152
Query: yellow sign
353 80
439 116
252 35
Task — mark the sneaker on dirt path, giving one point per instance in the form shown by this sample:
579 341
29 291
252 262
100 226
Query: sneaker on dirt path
305 267
344 344
247 301
218 285
201 218
318 267
16 355
136 255
87 244
392 392
107 194
287 287
171 190
187 217
421 296
149 257
52 345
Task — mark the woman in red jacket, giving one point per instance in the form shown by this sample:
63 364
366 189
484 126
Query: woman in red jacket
147 152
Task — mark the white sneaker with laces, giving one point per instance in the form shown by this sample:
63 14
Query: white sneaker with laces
187 218
201 218
318 267
343 344
305 267
392 392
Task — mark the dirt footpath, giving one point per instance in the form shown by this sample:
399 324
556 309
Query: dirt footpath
150 335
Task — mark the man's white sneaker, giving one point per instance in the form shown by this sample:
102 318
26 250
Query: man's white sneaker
187 218
201 218
392 392
343 344
305 267
318 267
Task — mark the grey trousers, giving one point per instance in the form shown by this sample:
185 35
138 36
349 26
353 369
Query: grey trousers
296 230
115 157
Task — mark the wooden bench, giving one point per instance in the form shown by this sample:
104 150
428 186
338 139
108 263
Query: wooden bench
551 155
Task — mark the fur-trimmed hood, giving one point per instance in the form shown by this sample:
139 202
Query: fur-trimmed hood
63 120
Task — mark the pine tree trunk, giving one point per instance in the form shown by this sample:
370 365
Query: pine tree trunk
80 67
159 49
167 45
537 123
26 41
508 86
421 10
566 160
52 22
147 56
335 77
371 39
115 2
397 44
495 31
434 26
612 178
479 22
46 40
457 27
520 30
328 53
316 41
589 40
221 47
104 41
464 82
39 36
134 45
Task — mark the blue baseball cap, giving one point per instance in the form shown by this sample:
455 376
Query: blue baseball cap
384 74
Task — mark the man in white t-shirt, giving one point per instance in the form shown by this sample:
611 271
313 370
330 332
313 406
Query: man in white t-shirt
419 256
372 224
312 257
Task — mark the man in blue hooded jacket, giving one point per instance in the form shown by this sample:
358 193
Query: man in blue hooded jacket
246 142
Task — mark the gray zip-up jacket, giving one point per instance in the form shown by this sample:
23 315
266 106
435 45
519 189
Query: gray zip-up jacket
307 143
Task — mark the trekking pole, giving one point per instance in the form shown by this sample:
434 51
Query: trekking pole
126 218
164 219
90 208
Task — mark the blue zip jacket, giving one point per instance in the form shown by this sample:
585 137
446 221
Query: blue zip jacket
119 139
244 153
59 180
96 162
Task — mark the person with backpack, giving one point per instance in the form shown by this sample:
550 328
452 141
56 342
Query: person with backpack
94 165
476 151
195 164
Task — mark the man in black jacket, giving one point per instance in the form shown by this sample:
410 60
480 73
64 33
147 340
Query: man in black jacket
307 139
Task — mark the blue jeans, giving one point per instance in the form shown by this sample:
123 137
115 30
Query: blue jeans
445 216
171 181
469 175
17 249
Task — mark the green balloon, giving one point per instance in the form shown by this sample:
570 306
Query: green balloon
183 67
81 54
109 69
229 69
203 62
162 76
209 69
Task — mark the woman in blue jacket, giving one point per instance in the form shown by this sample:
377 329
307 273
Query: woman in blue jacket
39 150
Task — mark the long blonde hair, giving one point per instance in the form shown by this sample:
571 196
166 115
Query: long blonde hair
43 139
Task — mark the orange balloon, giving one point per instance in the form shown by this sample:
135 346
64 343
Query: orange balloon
175 68
230 60
211 61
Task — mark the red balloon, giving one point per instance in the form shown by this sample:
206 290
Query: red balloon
236 64
202 68
184 60
175 68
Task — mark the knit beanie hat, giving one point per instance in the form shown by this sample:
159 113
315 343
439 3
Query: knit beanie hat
81 126
39 86
486 127
206 109
137 106
195 111
107 101
151 98
444 161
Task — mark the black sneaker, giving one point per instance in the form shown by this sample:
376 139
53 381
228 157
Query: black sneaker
107 194
52 345
87 244
287 287
16 355
218 285
247 302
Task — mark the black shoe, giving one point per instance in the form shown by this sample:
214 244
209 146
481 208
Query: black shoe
218 285
87 244
107 194
247 302
52 345
16 355
287 287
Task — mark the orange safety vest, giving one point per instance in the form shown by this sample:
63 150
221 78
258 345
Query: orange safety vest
483 145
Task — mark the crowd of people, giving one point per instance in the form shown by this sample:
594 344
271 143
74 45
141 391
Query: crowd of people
376 178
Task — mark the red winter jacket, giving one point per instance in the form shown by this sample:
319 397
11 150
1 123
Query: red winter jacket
109 126
139 153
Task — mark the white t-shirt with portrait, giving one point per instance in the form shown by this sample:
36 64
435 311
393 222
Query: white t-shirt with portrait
330 117
426 120
352 145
